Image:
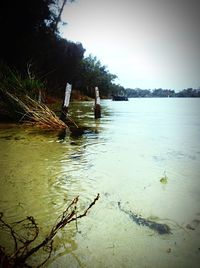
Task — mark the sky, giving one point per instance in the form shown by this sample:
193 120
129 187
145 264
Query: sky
148 44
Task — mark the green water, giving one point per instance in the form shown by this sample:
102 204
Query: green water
123 156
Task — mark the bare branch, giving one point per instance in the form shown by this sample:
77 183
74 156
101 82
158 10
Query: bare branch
22 250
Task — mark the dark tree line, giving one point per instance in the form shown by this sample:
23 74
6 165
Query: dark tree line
29 37
92 73
30 40
161 93
31 43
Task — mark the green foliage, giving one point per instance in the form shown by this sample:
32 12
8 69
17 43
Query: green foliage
118 90
35 38
92 73
13 81
29 33
164 179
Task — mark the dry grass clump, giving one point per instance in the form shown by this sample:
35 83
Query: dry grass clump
30 111
15 92
42 116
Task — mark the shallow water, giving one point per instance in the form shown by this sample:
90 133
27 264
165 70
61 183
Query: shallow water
122 156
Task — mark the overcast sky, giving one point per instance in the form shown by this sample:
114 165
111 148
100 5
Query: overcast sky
146 43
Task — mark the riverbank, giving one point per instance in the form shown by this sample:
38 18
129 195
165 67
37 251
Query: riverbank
52 102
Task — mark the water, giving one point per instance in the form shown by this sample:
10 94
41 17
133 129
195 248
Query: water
123 158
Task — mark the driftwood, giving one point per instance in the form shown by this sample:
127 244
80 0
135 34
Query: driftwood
158 227
23 240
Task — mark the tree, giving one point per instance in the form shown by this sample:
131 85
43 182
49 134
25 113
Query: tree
60 11
20 22
189 92
35 42
30 36
92 73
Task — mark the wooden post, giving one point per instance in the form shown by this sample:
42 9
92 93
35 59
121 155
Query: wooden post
65 106
97 107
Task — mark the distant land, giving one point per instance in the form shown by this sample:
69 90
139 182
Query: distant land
162 93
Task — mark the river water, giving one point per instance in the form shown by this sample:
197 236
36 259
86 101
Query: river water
123 156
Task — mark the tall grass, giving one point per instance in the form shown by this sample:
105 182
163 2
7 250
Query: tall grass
18 84
18 95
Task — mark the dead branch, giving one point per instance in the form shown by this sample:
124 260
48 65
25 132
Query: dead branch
22 244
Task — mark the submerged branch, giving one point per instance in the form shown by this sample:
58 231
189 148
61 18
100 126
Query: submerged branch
22 250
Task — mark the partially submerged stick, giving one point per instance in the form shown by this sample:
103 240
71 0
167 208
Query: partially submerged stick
22 250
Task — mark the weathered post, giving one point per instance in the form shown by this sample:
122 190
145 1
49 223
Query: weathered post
97 107
65 105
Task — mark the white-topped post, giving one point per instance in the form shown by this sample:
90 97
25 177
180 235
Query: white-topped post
97 107
68 90
65 106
